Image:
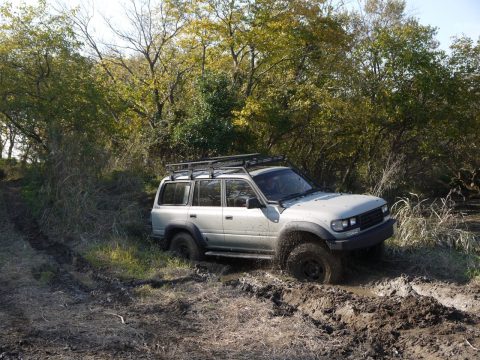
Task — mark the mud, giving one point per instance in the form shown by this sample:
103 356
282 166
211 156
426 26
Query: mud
397 323
53 304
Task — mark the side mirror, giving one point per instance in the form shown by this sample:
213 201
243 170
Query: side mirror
254 203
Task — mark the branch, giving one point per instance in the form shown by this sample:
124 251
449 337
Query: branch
30 134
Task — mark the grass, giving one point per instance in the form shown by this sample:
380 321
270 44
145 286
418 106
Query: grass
434 238
144 291
46 277
423 223
473 272
130 258
439 262
44 273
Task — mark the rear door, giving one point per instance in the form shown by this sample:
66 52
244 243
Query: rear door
206 211
172 204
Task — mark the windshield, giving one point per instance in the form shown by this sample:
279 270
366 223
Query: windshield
281 184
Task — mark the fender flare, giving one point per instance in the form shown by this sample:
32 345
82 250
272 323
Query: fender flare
286 242
174 227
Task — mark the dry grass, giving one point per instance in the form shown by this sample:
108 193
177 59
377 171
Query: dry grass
389 176
424 223
209 320
87 207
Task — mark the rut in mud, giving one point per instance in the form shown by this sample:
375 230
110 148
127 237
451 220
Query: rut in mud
54 304
381 325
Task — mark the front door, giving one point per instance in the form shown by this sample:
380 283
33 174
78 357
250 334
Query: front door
244 229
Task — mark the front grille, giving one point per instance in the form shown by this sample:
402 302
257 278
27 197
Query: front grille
370 218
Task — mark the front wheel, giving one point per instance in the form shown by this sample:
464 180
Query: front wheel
184 246
312 262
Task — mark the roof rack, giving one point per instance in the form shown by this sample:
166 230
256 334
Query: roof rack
238 162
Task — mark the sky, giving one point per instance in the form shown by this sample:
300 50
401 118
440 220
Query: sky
450 17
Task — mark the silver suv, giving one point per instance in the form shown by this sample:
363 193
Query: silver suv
244 207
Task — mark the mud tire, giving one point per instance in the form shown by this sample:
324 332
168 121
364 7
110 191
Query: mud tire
184 246
313 262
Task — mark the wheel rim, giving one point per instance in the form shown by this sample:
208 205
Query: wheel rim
312 269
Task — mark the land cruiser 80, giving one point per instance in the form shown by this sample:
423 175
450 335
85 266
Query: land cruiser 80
245 207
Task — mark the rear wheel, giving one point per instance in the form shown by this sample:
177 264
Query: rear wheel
183 245
312 262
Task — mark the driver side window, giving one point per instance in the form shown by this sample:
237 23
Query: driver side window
237 192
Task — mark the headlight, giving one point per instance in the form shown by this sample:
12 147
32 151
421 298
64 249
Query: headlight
343 224
385 208
337 225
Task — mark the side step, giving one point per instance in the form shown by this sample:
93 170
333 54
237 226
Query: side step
240 255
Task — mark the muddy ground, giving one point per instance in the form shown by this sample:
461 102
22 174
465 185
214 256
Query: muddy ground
53 304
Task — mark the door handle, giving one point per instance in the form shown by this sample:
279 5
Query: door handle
193 215
229 217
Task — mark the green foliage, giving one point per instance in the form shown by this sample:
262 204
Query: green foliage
33 193
210 130
347 96
47 89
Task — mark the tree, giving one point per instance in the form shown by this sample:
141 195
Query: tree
145 67
296 101
48 93
209 130
462 148
401 77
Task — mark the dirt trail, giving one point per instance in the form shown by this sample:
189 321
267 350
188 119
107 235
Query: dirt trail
53 304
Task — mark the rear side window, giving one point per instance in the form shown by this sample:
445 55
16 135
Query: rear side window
175 193
207 193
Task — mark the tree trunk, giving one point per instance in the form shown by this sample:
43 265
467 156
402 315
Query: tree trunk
248 91
204 56
2 145
26 153
12 134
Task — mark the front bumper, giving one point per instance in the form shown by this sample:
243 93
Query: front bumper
367 239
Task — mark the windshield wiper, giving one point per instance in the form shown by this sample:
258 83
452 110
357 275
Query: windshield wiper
292 196
313 190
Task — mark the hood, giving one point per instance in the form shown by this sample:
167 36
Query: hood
334 205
